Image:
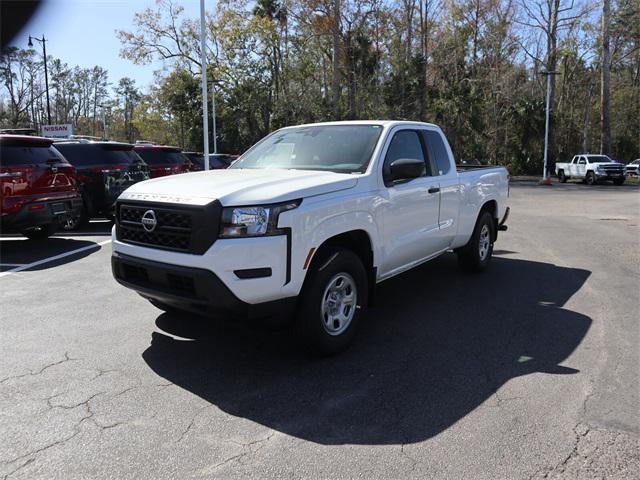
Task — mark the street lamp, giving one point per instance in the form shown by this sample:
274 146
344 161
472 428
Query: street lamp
203 66
213 103
46 74
546 126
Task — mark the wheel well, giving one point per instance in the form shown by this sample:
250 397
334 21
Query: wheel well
492 207
359 242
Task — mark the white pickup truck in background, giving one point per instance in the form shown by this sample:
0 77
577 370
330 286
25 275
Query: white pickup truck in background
592 169
306 223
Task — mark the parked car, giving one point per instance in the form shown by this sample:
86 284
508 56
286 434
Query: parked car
592 169
304 224
194 158
163 160
105 170
38 187
217 161
633 168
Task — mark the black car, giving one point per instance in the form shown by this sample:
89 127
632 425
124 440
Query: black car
217 161
105 170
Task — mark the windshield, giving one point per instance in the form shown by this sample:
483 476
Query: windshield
162 156
335 148
599 159
12 155
81 155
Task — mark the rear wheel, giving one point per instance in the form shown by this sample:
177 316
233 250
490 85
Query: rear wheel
41 232
591 178
618 181
562 177
330 305
475 256
75 220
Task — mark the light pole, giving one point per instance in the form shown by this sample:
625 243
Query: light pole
213 115
546 126
43 41
203 64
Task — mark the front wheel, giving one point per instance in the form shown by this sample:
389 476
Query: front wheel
41 232
331 302
475 256
591 178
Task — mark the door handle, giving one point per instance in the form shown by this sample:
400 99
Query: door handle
433 189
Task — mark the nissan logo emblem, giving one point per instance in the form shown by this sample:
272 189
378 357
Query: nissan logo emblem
149 221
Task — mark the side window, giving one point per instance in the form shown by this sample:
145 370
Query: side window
437 151
582 161
404 144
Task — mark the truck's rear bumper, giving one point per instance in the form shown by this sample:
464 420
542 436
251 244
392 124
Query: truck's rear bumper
189 288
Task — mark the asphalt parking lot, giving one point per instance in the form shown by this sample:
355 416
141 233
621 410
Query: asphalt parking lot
527 371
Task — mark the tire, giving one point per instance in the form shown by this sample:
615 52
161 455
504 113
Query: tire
74 222
331 303
618 181
475 256
41 232
562 178
591 178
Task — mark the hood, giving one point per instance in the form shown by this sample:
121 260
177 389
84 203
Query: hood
236 187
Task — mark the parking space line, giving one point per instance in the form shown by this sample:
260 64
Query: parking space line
54 258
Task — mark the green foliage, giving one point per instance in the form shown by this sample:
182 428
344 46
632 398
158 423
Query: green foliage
463 64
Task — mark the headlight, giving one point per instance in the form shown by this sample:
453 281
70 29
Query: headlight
253 221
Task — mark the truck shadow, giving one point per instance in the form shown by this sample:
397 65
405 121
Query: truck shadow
437 345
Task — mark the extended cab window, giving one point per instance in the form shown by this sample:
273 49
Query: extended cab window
437 151
404 144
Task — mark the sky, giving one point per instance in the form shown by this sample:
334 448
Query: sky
82 32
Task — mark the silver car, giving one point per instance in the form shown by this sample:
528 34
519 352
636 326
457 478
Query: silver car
633 168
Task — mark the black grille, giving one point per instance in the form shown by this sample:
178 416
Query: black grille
183 229
613 169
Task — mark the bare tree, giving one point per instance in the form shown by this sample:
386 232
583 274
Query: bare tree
552 18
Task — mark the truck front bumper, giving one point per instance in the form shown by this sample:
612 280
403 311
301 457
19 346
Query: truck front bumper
192 289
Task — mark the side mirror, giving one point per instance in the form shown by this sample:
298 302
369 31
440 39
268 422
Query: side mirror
406 169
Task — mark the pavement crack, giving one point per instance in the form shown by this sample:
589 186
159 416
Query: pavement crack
42 370
15 470
413 461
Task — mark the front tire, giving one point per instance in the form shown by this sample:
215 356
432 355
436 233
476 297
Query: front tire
591 178
41 232
475 256
331 303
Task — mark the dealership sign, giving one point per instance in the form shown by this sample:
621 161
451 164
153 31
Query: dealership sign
63 130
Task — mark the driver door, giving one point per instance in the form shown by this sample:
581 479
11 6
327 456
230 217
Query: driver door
410 207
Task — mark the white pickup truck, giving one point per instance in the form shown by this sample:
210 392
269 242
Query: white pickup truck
592 169
306 223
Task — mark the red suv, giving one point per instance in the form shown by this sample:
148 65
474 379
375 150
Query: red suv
163 160
38 186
